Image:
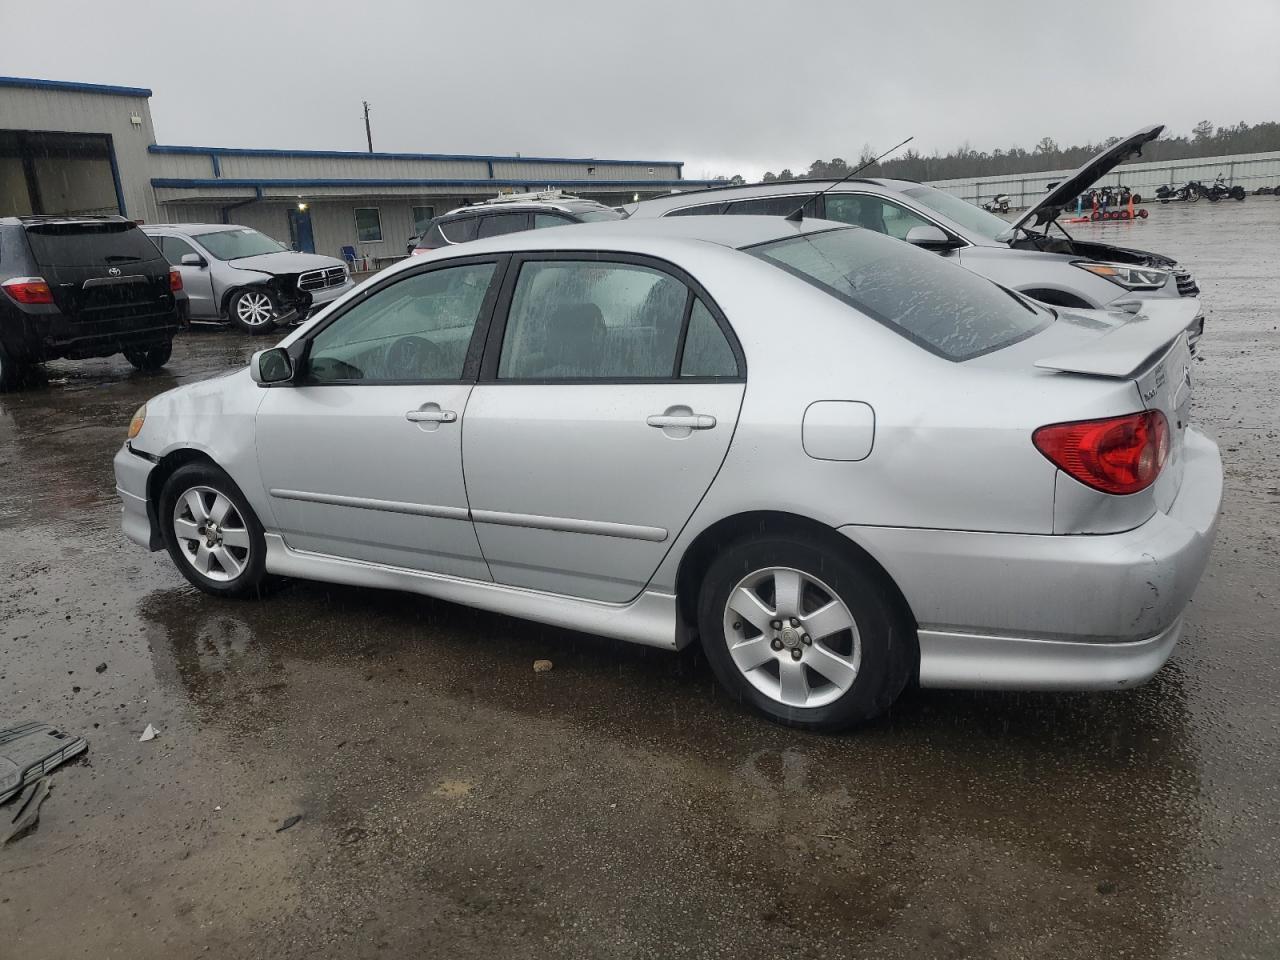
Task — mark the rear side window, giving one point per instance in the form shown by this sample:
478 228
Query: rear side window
460 230
587 320
499 224
706 351
774 206
90 244
703 210
541 220
943 308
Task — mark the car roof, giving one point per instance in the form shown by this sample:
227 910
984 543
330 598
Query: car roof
194 227
693 198
508 206
61 218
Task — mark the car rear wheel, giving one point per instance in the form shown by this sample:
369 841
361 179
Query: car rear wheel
804 635
10 371
150 358
212 533
253 310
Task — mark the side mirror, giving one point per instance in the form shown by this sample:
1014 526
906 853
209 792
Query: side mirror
929 237
193 260
271 366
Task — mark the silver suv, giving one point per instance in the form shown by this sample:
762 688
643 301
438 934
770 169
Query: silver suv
235 273
1053 268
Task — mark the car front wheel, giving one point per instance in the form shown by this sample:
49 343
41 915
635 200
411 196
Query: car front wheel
253 310
212 533
806 636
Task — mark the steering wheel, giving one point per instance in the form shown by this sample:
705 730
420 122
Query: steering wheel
413 358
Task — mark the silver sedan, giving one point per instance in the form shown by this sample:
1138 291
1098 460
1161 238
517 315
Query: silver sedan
837 461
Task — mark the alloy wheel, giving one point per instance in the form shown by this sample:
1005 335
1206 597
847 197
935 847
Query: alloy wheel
211 533
792 637
254 309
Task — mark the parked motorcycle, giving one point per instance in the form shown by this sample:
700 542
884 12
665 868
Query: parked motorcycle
1189 192
997 204
1220 191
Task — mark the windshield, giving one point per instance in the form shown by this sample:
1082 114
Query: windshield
233 244
943 308
961 211
594 216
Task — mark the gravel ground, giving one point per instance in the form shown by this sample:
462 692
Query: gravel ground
455 803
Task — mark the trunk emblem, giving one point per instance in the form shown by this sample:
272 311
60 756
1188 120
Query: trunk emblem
113 271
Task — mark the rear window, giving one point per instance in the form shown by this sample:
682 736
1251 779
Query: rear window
90 244
942 307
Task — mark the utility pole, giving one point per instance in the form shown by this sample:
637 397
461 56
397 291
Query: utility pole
368 132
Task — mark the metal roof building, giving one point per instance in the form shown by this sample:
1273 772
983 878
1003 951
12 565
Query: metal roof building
91 148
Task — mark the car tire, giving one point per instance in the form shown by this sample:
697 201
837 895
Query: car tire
253 310
11 372
844 676
150 358
230 559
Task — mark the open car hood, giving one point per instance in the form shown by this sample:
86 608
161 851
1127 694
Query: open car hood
1093 170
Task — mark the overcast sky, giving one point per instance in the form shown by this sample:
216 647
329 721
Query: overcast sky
719 85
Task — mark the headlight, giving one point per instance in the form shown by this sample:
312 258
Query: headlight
139 418
1131 278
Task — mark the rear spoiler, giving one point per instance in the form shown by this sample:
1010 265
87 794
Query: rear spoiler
1127 348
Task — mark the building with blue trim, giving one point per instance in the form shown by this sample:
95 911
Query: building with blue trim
88 148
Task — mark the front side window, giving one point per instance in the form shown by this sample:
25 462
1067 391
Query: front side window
541 220
237 243
416 329
587 320
368 225
943 308
499 224
873 213
174 249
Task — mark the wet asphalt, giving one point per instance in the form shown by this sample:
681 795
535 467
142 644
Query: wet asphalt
454 803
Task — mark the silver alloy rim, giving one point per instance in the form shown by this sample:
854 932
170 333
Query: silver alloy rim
254 309
792 637
212 536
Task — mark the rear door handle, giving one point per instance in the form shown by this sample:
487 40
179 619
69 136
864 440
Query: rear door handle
692 421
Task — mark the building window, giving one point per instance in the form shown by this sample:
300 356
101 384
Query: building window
368 225
422 217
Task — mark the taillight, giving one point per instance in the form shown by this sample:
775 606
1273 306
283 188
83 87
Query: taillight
1116 455
28 290
175 281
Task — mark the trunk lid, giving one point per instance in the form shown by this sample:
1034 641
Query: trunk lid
1093 170
1151 349
100 270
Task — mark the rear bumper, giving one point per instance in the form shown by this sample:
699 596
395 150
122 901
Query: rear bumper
132 473
1017 611
52 336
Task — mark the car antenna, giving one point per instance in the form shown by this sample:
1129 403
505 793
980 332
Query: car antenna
798 214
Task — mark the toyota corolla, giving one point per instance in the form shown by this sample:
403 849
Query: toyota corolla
837 461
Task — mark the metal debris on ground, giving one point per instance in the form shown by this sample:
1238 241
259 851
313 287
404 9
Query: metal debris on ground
30 750
17 818
148 734
289 822
541 666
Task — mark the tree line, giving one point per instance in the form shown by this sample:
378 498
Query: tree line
1205 140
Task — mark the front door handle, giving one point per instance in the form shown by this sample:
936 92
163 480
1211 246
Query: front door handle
690 421
431 416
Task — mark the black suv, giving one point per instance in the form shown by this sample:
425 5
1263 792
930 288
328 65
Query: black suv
77 287
511 214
